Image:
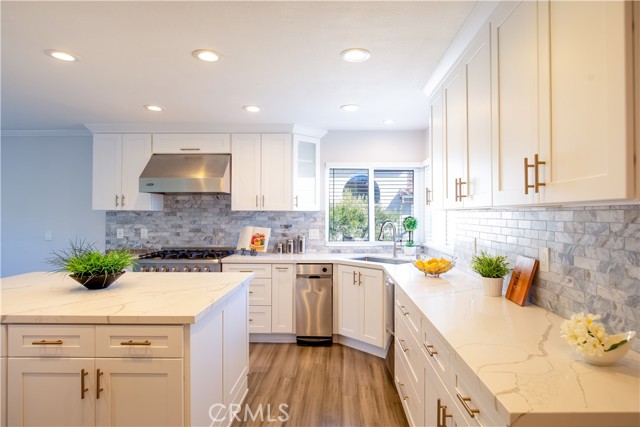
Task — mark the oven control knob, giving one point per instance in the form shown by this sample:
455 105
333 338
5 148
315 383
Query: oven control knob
144 269
154 269
175 269
164 269
186 269
196 268
207 269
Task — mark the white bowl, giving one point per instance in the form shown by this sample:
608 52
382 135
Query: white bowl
609 357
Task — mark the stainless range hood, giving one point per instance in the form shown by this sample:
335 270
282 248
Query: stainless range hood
187 173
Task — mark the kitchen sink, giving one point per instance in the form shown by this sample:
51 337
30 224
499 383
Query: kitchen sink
382 260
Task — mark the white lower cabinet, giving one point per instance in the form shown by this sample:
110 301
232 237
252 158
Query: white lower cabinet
142 375
270 296
435 386
361 305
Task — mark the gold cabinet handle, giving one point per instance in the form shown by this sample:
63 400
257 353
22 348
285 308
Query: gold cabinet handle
354 277
359 279
123 200
83 390
189 149
117 198
257 201
282 268
250 292
427 197
45 342
465 403
263 201
536 174
131 342
296 201
245 271
250 320
442 415
401 307
404 349
430 349
404 396
460 184
526 175
98 388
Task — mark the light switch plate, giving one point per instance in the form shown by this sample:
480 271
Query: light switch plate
543 254
314 234
120 233
144 233
48 235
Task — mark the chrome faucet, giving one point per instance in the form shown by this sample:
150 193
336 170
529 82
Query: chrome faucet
393 235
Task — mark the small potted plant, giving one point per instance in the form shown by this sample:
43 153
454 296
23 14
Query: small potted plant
90 267
410 224
492 269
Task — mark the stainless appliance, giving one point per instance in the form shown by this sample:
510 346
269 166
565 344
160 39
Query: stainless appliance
187 173
173 260
314 304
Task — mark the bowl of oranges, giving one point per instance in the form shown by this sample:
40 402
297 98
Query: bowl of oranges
434 266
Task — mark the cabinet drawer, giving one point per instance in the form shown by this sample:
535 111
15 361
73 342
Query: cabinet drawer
262 271
191 143
436 352
260 292
139 341
260 319
471 395
51 340
408 348
412 399
410 312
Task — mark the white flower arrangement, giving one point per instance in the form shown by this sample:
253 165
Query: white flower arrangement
589 336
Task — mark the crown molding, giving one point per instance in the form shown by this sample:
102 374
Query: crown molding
202 128
45 133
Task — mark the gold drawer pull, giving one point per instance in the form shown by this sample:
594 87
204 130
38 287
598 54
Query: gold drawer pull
402 346
250 320
245 271
131 342
406 313
404 396
464 400
250 292
430 349
45 342
282 268
189 149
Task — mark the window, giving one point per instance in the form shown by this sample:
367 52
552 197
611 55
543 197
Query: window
355 216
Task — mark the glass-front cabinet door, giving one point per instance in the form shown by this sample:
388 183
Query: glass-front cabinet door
306 173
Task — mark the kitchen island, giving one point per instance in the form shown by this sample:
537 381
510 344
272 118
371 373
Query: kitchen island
151 349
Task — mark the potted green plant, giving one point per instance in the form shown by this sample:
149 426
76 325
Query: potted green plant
90 267
410 224
492 269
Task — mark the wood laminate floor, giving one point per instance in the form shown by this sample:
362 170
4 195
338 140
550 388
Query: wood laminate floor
321 386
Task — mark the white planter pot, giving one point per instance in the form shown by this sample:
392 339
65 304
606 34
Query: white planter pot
409 251
492 287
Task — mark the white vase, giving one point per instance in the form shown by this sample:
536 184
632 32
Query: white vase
492 286
409 250
612 356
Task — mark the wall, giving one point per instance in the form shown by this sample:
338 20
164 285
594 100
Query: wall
595 256
46 185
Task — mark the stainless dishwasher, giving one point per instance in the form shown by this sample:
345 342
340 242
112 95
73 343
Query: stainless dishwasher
314 304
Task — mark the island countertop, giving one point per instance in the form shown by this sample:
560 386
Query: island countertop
142 298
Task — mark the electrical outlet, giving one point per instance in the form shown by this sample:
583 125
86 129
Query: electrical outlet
48 235
120 233
144 233
543 254
314 234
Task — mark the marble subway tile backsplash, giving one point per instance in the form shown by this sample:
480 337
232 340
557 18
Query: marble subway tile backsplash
207 220
595 256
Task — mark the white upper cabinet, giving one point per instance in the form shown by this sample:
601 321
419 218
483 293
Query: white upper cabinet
306 173
261 168
434 193
590 153
191 143
118 161
477 63
516 101
455 137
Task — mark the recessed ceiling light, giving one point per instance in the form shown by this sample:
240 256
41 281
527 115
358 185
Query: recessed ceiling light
350 107
388 121
155 108
206 55
63 56
355 55
251 108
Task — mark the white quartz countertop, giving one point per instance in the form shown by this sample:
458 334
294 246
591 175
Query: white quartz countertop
144 298
270 258
531 374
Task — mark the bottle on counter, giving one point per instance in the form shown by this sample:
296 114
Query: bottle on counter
302 244
279 248
290 246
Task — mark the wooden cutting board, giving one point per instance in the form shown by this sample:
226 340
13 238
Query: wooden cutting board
521 279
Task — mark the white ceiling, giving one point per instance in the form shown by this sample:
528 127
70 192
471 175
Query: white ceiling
282 56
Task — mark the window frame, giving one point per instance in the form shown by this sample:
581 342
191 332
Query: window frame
418 199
